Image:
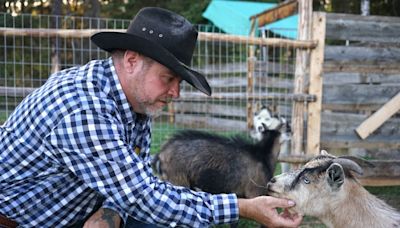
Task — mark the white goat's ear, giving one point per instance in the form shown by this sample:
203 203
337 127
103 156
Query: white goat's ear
335 176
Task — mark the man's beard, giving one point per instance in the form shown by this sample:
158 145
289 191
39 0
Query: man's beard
152 109
146 104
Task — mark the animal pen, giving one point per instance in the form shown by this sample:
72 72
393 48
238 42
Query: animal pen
326 98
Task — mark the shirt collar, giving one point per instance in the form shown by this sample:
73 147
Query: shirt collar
126 110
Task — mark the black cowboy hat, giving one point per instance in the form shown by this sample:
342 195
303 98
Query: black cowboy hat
162 35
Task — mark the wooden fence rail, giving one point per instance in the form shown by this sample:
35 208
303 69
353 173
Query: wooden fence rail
203 36
347 84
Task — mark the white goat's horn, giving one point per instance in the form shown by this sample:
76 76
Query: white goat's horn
324 152
360 161
349 164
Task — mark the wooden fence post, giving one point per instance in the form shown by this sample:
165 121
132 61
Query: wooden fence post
315 85
302 60
250 74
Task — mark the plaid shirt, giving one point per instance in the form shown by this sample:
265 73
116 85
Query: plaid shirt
70 147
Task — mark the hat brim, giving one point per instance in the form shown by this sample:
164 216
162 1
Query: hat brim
110 41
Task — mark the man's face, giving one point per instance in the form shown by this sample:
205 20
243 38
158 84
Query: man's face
151 86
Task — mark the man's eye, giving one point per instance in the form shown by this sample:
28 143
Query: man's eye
167 79
170 78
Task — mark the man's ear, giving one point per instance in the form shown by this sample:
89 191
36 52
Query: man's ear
335 176
130 60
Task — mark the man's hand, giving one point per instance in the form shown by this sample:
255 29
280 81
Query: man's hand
263 210
103 218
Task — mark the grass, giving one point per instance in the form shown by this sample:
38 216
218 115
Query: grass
162 131
391 194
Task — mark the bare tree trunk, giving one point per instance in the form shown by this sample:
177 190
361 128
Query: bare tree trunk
56 42
395 8
92 9
365 7
92 12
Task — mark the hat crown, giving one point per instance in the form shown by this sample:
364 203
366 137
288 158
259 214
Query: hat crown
162 35
168 29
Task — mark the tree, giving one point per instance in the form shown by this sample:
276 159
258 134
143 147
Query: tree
126 9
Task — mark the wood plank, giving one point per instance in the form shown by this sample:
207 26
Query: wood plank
227 69
274 67
210 109
227 82
272 82
341 123
381 168
362 54
353 141
283 10
338 78
351 107
213 123
273 42
198 96
361 28
222 68
315 86
203 36
358 95
362 67
379 117
381 173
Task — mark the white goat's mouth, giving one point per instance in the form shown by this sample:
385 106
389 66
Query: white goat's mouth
271 191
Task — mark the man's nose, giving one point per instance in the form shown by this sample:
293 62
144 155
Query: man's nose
175 90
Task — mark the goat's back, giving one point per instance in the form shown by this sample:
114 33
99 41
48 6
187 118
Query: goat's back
213 163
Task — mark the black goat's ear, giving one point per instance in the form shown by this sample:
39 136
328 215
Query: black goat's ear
335 176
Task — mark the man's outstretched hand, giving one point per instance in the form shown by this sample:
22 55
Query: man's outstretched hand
263 210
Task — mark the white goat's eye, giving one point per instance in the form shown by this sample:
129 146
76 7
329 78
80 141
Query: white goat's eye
306 180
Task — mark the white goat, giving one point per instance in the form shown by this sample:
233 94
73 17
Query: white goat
326 188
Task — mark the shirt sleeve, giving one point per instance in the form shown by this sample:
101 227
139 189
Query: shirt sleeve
95 148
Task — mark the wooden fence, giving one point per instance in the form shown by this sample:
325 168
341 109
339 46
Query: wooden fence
353 71
361 74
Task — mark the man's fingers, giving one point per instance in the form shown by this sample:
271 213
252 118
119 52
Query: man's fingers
286 213
281 203
290 220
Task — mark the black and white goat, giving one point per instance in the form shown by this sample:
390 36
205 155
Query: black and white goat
327 188
218 164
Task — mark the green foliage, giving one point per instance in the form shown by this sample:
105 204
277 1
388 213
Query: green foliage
126 9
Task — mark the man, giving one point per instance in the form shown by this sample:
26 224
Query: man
81 141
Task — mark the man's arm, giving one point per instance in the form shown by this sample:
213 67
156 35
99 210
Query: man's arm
103 218
261 209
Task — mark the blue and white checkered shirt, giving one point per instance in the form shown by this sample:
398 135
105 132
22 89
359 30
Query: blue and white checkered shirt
70 147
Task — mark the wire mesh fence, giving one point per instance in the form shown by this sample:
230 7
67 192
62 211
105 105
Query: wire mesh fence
31 51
